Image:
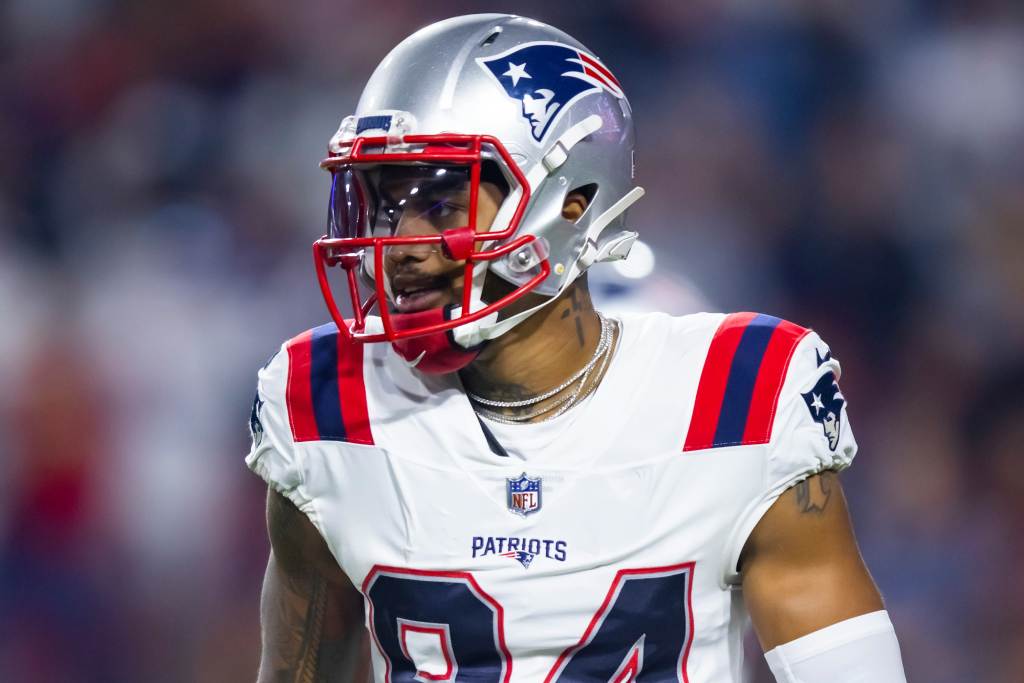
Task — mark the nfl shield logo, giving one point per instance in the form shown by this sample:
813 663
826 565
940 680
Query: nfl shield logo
523 494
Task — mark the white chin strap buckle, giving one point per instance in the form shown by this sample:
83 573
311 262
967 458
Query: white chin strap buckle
472 334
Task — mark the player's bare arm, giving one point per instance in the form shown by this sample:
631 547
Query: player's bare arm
801 567
311 615
803 573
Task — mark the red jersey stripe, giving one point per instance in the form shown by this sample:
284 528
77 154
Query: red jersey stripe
298 393
713 379
352 390
770 378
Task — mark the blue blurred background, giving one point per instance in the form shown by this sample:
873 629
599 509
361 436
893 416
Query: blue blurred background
854 166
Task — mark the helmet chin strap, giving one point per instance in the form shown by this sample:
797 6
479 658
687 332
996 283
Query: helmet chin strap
473 334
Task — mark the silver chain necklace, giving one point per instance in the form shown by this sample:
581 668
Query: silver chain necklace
602 342
558 407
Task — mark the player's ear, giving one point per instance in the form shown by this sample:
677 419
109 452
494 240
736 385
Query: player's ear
575 204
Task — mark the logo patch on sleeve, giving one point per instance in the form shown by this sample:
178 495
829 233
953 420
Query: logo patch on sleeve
255 425
825 402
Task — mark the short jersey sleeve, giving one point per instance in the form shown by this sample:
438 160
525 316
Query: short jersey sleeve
273 455
810 433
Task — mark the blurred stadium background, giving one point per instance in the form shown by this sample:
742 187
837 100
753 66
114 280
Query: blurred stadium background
855 166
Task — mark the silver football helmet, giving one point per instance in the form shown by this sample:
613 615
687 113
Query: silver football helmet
460 99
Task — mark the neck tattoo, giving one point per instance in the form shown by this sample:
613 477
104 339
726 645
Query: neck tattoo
578 381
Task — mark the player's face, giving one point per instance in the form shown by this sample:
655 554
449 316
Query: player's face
421 276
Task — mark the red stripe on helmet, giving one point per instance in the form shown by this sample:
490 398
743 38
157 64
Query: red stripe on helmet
600 67
600 79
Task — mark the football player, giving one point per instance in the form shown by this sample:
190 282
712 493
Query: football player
477 476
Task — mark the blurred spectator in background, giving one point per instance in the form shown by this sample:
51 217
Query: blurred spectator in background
856 167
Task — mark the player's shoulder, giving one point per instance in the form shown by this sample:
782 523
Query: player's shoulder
751 363
744 336
751 339
741 322
294 352
666 339
315 380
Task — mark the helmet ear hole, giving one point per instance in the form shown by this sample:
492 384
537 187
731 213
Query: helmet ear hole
578 202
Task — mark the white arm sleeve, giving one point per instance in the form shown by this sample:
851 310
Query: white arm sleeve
863 649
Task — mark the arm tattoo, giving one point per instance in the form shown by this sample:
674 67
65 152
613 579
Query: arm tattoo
294 604
813 494
312 634
293 620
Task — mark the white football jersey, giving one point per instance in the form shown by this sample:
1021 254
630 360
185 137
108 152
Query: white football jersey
603 547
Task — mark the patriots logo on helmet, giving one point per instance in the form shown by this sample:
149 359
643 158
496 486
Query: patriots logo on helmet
546 78
825 402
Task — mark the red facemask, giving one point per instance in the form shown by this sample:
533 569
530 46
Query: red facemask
350 239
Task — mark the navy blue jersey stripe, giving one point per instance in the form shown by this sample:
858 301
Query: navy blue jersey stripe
324 383
732 419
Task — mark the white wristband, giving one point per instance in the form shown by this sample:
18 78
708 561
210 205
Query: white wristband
860 649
